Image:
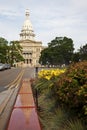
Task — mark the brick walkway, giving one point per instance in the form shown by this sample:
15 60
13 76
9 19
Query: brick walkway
24 115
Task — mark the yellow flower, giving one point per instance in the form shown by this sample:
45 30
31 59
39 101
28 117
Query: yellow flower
48 74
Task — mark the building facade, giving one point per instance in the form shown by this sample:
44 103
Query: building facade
31 47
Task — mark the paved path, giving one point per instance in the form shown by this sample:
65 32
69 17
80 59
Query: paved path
24 115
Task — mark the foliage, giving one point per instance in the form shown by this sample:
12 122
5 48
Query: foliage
81 55
74 125
53 117
59 51
58 120
83 52
71 89
45 56
10 53
15 52
3 50
76 57
67 91
47 79
51 73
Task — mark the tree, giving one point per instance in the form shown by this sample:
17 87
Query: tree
45 56
10 53
58 52
15 52
83 52
3 50
76 57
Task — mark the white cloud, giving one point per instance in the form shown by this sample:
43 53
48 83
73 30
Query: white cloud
50 18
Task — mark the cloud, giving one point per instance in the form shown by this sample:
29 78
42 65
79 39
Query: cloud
50 18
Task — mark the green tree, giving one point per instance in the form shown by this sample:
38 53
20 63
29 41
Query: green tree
3 50
83 52
58 52
15 52
76 57
45 56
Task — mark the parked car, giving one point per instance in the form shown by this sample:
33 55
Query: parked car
2 66
7 66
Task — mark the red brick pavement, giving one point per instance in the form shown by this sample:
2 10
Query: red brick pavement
24 115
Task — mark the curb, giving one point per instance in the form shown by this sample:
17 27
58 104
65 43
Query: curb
7 109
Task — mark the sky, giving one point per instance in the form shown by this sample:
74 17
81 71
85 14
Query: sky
50 19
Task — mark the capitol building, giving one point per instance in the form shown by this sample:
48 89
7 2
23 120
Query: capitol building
31 47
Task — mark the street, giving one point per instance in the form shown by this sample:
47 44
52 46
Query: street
7 76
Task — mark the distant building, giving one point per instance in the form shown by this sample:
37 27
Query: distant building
31 47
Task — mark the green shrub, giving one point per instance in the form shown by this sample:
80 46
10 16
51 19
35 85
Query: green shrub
74 125
71 89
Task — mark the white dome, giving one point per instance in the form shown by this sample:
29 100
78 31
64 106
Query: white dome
27 29
27 24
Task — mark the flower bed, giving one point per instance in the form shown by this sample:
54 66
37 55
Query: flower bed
66 90
48 74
